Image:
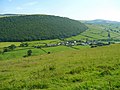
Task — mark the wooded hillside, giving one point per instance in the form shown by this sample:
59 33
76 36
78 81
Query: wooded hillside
38 27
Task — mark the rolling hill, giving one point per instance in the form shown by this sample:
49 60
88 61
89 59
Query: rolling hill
7 15
76 67
101 21
38 27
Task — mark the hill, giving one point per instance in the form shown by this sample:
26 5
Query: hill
76 67
101 21
6 15
99 32
38 27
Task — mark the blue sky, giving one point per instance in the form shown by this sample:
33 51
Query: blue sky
75 9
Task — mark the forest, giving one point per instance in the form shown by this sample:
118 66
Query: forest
38 27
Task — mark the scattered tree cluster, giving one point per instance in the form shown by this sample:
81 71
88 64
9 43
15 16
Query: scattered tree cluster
9 48
24 44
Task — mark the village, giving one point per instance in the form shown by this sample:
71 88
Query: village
70 43
82 42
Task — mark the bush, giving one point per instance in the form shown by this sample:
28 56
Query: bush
5 49
9 48
29 52
12 47
24 45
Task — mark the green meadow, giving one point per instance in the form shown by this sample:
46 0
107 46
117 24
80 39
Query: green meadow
97 32
64 68
83 69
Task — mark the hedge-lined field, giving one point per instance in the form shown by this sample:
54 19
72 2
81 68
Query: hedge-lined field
85 69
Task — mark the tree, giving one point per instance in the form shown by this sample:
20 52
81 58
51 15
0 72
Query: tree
5 49
24 45
12 47
29 52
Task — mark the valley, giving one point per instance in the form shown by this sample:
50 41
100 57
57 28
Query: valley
59 44
87 61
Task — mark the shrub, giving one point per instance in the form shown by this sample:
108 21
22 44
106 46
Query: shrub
24 45
5 49
29 52
12 47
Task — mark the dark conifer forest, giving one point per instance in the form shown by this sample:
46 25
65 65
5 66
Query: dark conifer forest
38 27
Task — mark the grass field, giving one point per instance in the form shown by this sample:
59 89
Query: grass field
65 68
85 69
20 52
96 32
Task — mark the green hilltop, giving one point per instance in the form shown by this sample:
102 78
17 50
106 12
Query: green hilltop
38 27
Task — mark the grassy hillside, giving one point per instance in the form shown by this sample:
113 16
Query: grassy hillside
38 27
76 67
95 32
99 32
85 69
19 52
101 21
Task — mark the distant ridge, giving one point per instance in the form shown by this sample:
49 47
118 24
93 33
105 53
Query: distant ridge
11 14
100 21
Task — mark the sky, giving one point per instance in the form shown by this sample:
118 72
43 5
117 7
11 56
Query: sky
74 9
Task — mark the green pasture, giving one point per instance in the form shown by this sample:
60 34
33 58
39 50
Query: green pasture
82 69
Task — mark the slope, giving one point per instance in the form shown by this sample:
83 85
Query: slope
99 32
38 27
101 21
93 68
